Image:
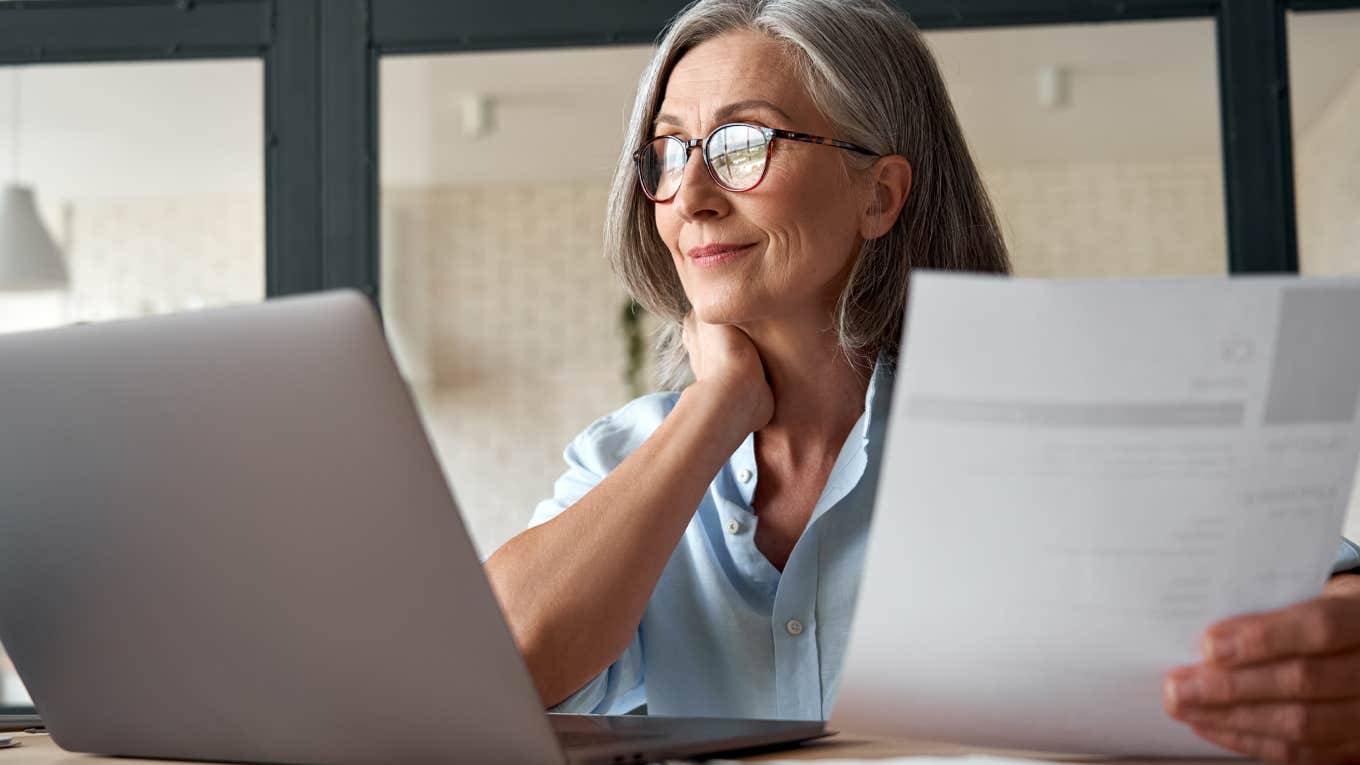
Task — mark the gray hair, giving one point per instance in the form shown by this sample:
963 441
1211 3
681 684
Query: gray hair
869 72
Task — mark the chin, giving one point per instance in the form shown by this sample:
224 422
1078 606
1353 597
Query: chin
727 312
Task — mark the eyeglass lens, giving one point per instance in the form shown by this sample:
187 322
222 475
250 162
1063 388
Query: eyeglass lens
736 156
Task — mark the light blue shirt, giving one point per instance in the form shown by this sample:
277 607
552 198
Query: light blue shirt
725 634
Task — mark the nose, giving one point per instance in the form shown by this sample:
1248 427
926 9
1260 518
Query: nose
699 197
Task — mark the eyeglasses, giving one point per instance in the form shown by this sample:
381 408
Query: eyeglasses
736 155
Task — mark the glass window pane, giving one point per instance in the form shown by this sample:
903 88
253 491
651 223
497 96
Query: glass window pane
1099 143
149 182
499 303
1324 86
1324 83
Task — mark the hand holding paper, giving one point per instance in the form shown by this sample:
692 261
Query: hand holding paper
1283 685
1079 479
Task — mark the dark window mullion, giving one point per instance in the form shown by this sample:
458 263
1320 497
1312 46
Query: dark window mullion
949 14
321 175
1322 5
122 31
349 103
427 26
293 253
430 26
1257 141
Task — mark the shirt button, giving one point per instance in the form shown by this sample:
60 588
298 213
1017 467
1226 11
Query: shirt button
745 475
794 627
733 527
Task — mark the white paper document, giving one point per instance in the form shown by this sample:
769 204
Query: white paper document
1080 477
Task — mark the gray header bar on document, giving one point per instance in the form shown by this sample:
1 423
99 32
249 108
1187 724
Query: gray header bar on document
1224 414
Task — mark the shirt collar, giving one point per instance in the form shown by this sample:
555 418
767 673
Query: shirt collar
852 458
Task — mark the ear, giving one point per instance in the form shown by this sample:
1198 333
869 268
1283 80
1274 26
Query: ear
891 183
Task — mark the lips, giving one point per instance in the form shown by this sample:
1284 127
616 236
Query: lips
714 254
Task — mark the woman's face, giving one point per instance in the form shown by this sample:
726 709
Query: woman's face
783 249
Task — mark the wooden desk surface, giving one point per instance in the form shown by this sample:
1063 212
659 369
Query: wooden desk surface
38 749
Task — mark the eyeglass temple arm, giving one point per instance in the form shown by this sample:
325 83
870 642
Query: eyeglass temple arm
804 137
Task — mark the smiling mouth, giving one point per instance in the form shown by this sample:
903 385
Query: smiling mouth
716 254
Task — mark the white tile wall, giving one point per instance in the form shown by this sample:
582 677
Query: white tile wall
135 256
1327 188
1100 219
519 344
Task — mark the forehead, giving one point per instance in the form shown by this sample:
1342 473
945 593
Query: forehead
736 66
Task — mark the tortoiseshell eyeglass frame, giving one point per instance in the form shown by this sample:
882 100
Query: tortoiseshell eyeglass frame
769 133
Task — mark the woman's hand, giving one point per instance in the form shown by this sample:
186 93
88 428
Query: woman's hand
1282 685
725 361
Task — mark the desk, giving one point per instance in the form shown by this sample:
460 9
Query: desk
38 749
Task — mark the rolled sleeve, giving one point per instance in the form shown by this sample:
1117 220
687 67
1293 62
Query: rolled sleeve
617 690
600 448
590 456
572 485
1347 558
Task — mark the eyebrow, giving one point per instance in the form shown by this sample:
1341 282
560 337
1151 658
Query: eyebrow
726 112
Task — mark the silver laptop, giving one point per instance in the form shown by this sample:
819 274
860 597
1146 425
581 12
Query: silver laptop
224 536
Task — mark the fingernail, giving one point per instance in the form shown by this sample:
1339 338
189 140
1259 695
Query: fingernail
1187 690
1220 648
1169 692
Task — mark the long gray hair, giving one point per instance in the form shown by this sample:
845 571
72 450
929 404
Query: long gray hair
868 70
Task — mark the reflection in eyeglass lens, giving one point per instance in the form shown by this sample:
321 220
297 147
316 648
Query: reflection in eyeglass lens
660 166
737 155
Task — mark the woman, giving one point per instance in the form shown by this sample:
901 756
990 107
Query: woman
830 163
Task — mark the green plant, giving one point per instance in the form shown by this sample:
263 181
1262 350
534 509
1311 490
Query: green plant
635 349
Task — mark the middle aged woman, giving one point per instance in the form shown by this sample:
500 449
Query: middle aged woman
703 550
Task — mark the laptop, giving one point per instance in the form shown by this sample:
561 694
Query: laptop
13 722
224 536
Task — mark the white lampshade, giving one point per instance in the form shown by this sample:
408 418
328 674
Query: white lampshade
29 258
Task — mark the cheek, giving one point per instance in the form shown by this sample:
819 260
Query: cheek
810 218
667 226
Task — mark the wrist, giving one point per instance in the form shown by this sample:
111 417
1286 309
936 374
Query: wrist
723 408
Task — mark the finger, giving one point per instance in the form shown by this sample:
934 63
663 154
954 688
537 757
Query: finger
1344 754
1259 747
1342 586
1320 625
1314 723
1313 678
1276 750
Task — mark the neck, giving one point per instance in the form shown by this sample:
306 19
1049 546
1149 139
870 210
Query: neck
818 392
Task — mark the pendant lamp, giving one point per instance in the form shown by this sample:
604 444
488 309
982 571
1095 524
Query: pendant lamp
29 257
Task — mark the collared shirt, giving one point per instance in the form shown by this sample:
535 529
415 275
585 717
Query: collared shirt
725 634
